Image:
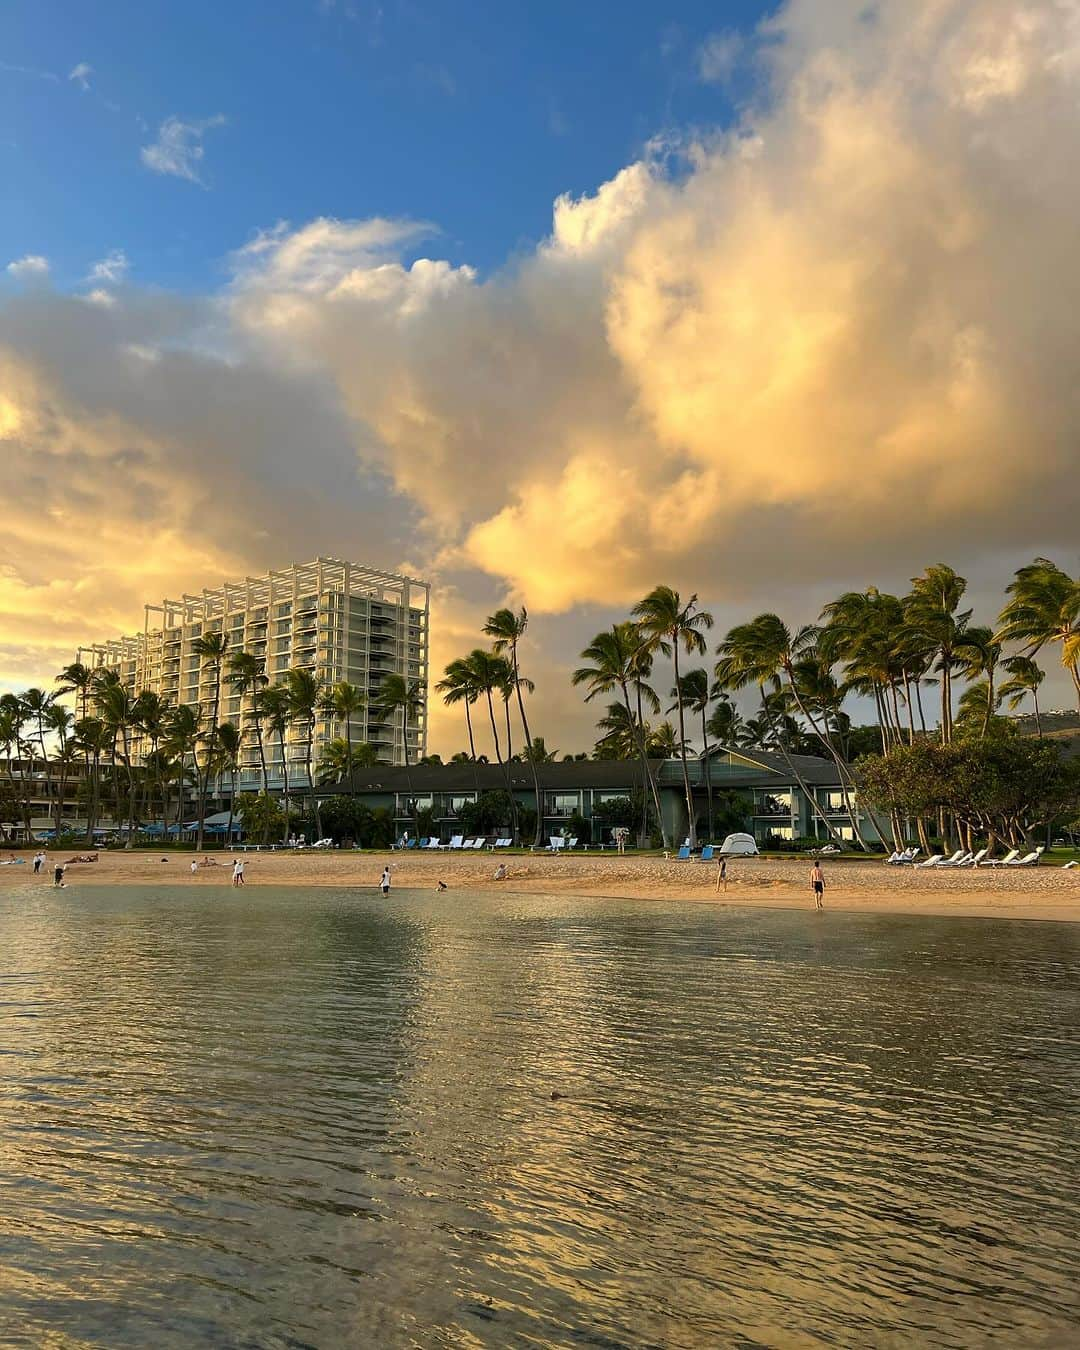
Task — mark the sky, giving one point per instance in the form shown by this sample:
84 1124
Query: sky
548 304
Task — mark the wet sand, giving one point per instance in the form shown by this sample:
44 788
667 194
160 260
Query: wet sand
1000 893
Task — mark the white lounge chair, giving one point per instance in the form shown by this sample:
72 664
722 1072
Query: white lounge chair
480 841
931 862
503 842
1032 860
976 859
903 857
1070 865
572 842
557 843
1007 861
964 860
456 841
434 842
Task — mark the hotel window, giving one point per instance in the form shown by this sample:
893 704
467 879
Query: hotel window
562 803
460 800
833 800
774 804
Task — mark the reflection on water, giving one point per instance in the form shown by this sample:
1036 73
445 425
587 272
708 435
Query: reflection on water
305 1118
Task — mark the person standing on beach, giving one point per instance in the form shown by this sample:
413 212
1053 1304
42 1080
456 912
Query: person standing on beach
721 876
58 875
238 872
385 882
817 885
39 858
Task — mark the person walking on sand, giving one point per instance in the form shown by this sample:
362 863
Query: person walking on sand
817 885
238 872
721 876
39 858
58 875
385 882
194 866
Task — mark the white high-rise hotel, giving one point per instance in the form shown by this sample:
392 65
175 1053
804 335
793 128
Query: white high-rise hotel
338 619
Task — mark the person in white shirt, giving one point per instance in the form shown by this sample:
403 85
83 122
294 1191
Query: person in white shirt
385 882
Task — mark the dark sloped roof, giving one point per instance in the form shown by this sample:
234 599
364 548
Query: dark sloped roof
809 768
422 778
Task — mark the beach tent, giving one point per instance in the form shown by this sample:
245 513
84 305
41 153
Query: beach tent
739 846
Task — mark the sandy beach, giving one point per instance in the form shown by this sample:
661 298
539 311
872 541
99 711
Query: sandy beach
1028 893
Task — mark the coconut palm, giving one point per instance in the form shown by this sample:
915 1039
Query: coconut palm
228 742
664 743
343 701
725 721
1025 677
305 695
276 709
12 721
247 675
396 695
619 734
60 722
696 695
766 654
615 657
77 679
116 708
1044 607
868 632
151 716
37 703
538 753
211 649
667 625
91 738
183 735
338 760
507 628
979 654
763 653
932 609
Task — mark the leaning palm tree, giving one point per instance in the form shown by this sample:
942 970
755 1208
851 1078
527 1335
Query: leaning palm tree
151 716
507 627
91 738
305 695
1025 677
12 721
614 666
1044 607
978 656
37 703
338 760
247 676
228 761
60 723
342 701
761 653
933 610
210 648
395 695
668 625
459 685
695 693
276 709
116 708
183 735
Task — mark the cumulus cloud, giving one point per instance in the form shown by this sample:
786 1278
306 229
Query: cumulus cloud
110 269
717 57
81 76
822 349
178 150
29 267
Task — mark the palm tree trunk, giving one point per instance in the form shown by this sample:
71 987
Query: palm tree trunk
232 803
529 746
505 769
643 750
781 745
841 767
285 778
690 812
707 771
910 709
1038 719
310 757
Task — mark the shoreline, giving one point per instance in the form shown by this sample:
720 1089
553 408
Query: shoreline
1042 894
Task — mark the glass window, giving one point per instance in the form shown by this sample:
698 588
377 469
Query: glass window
562 803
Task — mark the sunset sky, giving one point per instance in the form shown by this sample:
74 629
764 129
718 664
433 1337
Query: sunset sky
546 303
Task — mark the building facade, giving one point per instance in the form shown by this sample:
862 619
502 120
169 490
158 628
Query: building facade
760 789
340 620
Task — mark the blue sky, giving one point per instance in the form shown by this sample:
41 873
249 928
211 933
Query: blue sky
473 116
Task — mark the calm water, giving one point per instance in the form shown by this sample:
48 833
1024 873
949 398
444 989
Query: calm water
288 1118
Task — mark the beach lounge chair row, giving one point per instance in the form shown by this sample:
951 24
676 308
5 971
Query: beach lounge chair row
707 854
904 857
457 842
964 858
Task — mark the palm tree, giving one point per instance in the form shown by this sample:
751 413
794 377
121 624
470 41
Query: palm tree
932 610
37 703
305 695
1025 677
666 625
538 753
459 685
276 708
397 694
210 648
620 734
248 677
663 742
12 720
695 693
507 628
91 737
979 655
228 761
761 652
338 760
1044 607
117 709
77 679
151 716
60 722
616 663
183 733
343 701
